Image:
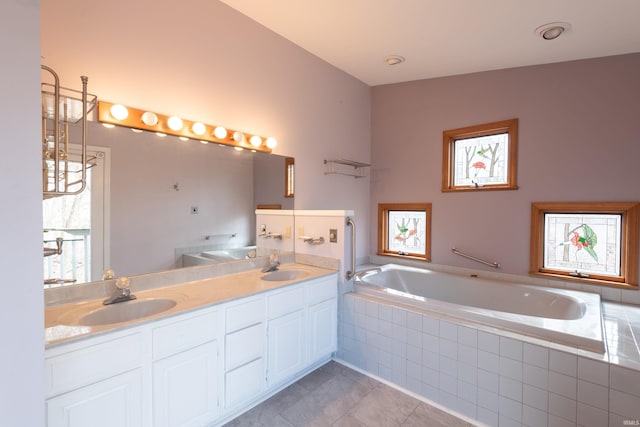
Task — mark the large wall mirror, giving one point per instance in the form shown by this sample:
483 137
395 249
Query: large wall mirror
160 197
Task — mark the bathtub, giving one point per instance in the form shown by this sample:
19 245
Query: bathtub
218 255
564 317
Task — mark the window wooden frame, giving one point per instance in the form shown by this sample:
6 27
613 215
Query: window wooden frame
630 212
383 227
449 138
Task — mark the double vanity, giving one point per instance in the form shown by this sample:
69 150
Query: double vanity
189 354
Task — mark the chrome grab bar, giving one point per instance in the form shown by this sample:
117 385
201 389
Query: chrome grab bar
351 272
462 254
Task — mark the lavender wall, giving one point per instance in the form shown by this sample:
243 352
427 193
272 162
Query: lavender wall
579 140
22 307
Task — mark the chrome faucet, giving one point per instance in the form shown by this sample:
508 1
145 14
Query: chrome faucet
274 263
55 251
122 293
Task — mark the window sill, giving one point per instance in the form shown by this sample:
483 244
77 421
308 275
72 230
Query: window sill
409 256
585 280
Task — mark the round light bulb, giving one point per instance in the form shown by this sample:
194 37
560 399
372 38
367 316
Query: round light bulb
175 123
119 112
149 119
255 140
238 136
271 142
220 132
198 128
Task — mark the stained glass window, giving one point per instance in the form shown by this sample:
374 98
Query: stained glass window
481 157
585 243
594 242
404 230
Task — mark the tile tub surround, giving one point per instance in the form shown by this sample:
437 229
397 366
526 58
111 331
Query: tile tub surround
492 376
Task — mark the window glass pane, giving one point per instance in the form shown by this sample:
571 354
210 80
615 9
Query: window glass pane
481 160
407 231
588 243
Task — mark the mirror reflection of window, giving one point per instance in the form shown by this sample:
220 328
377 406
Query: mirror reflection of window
78 221
289 174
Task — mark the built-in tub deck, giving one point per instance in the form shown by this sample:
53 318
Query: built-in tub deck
565 317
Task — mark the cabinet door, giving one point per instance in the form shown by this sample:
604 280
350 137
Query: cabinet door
322 330
286 347
185 387
244 382
115 402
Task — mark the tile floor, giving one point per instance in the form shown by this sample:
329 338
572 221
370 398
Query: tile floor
335 395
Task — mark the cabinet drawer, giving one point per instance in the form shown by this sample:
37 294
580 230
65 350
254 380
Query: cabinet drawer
322 291
286 302
244 382
245 314
244 345
93 363
184 334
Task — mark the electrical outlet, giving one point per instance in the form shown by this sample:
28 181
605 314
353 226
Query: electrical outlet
194 210
333 235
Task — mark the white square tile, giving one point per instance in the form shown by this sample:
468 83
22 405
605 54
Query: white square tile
467 373
536 355
511 368
414 321
508 422
533 417
535 376
384 312
625 380
414 370
466 408
372 309
624 404
431 342
562 407
399 348
563 385
511 389
384 358
489 381
487 416
564 363
488 342
386 328
449 366
535 397
430 392
414 354
467 391
511 408
448 384
448 330
468 336
630 297
588 416
448 348
399 316
431 377
489 361
511 348
556 421
468 355
488 400
430 359
360 305
414 338
430 326
593 395
593 371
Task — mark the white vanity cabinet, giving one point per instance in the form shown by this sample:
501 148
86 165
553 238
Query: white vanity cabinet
301 329
244 366
96 382
185 371
202 367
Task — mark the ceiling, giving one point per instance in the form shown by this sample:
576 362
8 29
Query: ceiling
446 37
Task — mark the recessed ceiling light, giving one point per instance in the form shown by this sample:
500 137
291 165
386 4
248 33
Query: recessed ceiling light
394 59
552 30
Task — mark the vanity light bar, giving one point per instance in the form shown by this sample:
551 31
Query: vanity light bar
159 123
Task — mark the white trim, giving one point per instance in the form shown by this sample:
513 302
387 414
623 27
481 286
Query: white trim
323 213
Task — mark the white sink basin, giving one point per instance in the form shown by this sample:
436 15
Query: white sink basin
126 311
282 275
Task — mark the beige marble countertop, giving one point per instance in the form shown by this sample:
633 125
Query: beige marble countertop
62 323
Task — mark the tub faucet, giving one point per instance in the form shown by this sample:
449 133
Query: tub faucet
274 263
55 251
122 293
